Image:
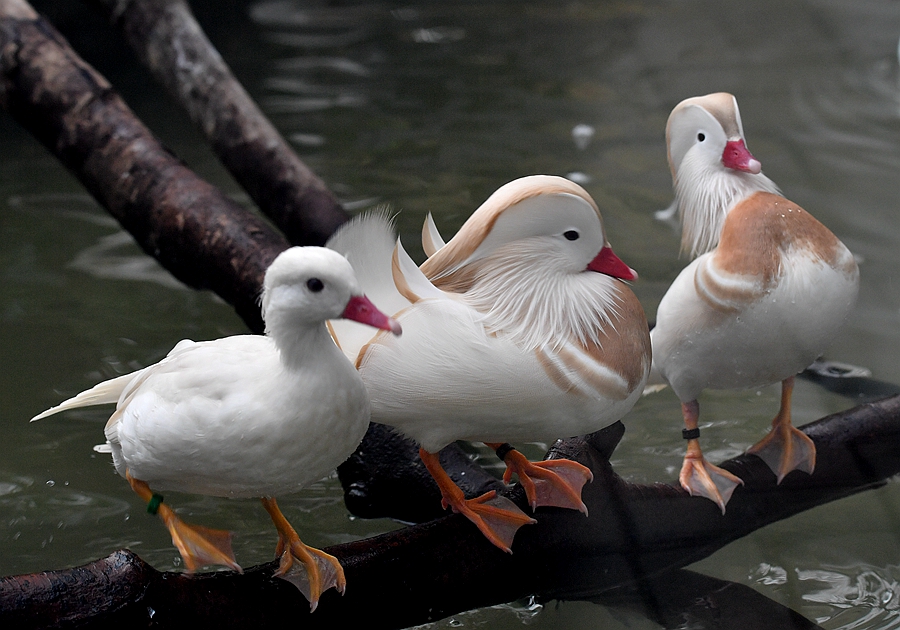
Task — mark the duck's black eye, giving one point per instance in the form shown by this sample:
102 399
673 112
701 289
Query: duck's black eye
701 136
315 285
571 235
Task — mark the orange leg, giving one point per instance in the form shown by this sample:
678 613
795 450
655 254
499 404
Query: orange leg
785 448
497 517
198 545
698 476
320 571
553 483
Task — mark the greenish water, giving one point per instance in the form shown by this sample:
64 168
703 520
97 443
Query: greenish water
429 107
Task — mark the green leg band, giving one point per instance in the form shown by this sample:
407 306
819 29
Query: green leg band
153 503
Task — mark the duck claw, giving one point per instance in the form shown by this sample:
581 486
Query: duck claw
496 517
550 483
786 448
700 478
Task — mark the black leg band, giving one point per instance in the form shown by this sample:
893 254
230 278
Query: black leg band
690 434
504 449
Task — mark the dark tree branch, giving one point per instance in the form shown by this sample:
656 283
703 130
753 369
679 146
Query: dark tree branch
385 478
168 40
202 237
445 566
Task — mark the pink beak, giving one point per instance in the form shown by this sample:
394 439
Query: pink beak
737 156
610 264
360 309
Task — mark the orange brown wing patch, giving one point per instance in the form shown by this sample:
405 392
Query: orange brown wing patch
623 348
625 345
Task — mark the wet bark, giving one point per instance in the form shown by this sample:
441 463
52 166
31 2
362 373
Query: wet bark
202 237
168 40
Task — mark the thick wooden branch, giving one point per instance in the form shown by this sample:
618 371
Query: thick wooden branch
168 40
202 237
429 571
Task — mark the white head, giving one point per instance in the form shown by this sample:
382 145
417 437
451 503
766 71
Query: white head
550 215
535 261
306 286
711 166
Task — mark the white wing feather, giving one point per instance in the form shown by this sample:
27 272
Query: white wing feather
418 284
100 394
110 391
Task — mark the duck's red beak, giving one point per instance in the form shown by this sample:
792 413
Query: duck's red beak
610 264
360 309
737 156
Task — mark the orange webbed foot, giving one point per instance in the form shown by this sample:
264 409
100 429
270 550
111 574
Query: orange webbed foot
551 483
786 448
496 517
700 478
317 571
199 546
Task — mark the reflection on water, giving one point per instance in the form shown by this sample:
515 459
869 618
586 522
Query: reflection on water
429 107
859 596
102 261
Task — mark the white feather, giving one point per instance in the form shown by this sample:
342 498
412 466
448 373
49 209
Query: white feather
704 193
432 241
367 241
413 276
100 394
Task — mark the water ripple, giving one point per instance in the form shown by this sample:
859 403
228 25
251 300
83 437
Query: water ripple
860 597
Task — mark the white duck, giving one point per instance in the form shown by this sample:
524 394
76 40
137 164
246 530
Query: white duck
769 289
518 329
249 415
